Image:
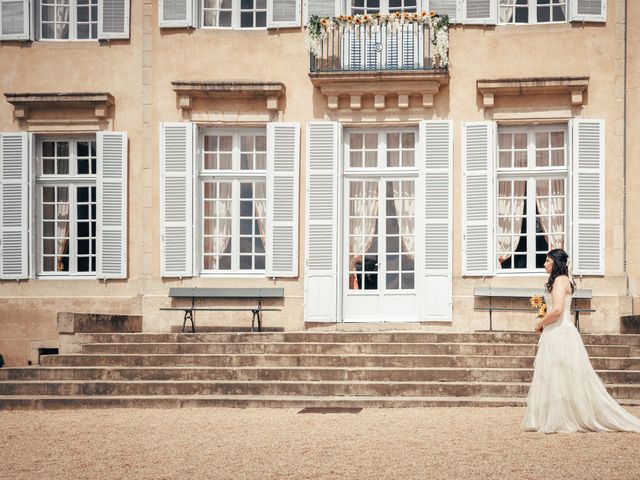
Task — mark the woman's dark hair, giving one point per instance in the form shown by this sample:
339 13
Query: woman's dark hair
560 267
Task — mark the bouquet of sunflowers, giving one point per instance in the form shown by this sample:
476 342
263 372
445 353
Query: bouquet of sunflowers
538 302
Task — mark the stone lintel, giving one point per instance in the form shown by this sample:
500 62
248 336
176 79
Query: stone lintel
574 86
23 103
270 92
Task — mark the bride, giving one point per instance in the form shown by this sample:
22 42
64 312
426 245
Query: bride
566 394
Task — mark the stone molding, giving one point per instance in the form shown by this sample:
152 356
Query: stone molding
186 91
574 86
24 103
380 85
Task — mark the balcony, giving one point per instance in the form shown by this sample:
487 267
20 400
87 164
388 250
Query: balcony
394 57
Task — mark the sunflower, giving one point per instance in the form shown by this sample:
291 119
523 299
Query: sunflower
536 301
432 13
542 311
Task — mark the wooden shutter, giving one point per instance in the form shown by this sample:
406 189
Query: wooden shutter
15 19
321 8
113 19
283 158
283 13
480 11
588 11
176 13
176 203
436 143
477 198
111 183
588 197
321 239
14 205
445 7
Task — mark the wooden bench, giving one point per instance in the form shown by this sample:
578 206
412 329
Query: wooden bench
256 294
501 292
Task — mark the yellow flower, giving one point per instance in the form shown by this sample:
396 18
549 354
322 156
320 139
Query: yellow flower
432 13
542 311
535 301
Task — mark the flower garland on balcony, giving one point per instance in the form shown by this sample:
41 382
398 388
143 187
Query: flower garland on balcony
318 29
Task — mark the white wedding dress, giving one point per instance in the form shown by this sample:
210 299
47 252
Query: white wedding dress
566 394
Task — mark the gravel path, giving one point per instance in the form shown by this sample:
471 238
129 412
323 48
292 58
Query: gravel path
428 443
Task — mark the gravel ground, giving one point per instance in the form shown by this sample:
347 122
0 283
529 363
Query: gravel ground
427 443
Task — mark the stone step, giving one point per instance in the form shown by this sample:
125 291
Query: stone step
348 337
337 348
337 388
294 374
401 361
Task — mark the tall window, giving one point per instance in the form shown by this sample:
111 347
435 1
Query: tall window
360 7
532 11
532 185
68 19
66 206
234 13
233 206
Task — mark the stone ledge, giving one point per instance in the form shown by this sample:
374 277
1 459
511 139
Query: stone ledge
574 86
71 323
23 103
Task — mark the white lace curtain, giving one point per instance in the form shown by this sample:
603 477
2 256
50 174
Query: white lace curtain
221 224
363 203
509 205
405 208
552 208
260 209
62 227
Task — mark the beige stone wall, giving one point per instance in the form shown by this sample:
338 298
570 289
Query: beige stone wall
139 72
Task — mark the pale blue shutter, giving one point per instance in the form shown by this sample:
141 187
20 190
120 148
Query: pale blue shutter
283 158
14 205
111 183
477 198
588 197
176 202
436 143
176 13
113 19
588 11
480 11
283 13
321 238
15 19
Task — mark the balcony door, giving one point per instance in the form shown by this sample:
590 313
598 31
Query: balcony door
379 224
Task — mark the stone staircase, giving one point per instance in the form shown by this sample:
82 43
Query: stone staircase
302 369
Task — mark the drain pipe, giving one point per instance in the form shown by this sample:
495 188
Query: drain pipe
624 151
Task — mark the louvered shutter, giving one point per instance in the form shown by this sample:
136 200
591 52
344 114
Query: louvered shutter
113 19
480 11
588 197
436 143
14 205
283 160
321 280
445 7
283 13
176 13
588 11
477 198
15 19
176 191
111 183
321 8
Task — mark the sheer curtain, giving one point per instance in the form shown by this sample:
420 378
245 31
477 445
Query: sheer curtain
221 223
405 208
364 203
62 21
509 206
506 11
260 209
62 227
552 208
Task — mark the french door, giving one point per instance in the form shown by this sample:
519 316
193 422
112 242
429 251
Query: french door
379 245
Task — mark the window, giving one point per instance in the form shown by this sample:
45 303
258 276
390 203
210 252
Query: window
532 185
66 206
234 13
68 19
532 11
360 7
233 205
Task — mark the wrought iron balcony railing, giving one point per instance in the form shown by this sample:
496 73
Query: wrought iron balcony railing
375 48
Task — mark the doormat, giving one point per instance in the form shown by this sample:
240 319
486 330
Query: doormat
353 410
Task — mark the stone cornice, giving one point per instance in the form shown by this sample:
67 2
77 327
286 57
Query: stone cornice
574 86
23 103
380 85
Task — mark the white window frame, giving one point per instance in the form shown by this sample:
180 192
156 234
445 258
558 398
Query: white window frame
382 151
384 6
235 176
72 180
533 14
235 17
530 174
73 24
